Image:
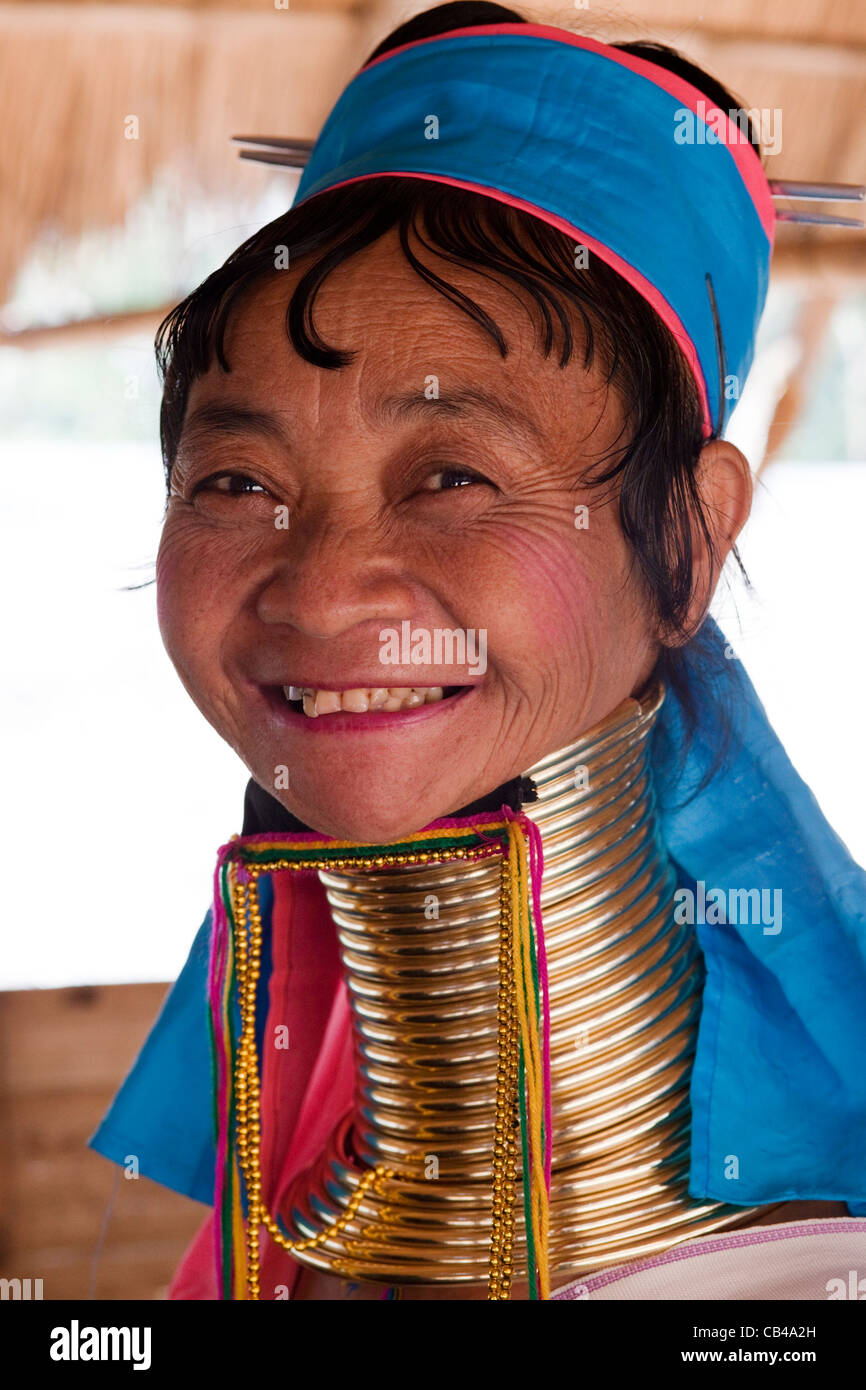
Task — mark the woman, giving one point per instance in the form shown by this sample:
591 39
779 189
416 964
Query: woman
521 978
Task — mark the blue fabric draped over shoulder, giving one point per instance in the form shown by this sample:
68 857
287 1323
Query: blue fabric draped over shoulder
164 1111
778 1088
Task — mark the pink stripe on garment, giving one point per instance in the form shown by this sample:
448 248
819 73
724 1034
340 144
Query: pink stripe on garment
536 870
216 986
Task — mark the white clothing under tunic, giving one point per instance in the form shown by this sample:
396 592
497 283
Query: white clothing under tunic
796 1260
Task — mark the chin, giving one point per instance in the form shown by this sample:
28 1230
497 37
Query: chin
364 824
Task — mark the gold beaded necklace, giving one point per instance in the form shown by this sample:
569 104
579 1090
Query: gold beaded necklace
246 1082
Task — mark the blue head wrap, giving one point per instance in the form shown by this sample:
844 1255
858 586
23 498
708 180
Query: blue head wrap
630 160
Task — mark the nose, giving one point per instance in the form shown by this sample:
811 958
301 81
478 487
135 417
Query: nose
331 575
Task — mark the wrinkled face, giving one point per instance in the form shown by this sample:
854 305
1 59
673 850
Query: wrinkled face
413 522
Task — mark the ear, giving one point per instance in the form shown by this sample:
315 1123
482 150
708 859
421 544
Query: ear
724 481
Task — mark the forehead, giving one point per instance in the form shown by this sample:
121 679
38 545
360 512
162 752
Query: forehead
408 341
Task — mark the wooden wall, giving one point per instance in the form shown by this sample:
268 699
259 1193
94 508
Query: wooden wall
63 1053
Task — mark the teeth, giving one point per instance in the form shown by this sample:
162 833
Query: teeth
326 701
358 701
316 702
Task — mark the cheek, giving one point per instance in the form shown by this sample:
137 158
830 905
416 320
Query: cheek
196 592
178 590
169 583
555 601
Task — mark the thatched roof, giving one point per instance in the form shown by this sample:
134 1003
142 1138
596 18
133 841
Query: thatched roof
72 74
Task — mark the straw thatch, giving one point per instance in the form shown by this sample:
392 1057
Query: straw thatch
71 77
72 74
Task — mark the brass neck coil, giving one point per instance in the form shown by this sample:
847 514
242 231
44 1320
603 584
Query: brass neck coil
420 953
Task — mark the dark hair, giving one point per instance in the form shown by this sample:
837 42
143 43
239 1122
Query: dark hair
654 465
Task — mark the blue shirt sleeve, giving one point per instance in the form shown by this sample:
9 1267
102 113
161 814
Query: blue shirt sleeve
163 1113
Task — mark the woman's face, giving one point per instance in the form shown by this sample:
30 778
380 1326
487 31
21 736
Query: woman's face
430 487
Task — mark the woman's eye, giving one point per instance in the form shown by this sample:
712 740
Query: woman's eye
231 484
447 479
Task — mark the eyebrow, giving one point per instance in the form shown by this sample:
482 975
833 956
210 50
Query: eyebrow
216 418
463 402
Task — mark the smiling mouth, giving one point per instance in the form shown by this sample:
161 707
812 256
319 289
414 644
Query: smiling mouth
365 700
